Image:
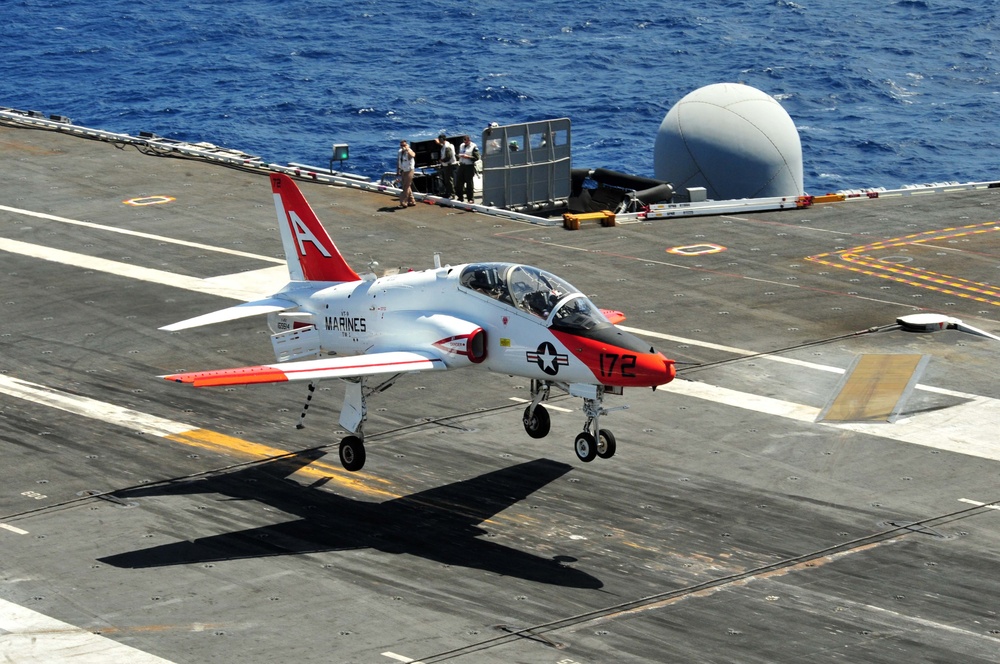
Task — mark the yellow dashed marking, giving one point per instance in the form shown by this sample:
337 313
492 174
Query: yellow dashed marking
856 259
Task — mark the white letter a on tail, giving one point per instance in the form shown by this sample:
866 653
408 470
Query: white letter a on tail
311 254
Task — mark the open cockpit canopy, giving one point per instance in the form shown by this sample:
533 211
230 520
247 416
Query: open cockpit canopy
536 292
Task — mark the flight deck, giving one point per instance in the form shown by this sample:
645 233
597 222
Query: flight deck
765 506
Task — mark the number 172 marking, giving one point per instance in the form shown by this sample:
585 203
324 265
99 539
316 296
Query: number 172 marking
623 364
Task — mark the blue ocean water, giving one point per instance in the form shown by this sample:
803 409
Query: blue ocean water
883 92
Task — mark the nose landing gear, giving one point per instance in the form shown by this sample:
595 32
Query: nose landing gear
592 442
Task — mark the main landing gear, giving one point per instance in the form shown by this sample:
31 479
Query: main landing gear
352 453
593 441
352 417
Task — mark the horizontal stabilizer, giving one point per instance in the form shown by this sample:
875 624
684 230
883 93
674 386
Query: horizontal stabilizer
244 310
331 367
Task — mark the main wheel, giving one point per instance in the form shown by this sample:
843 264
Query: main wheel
352 453
537 424
605 444
585 447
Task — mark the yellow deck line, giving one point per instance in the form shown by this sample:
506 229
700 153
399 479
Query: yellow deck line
185 434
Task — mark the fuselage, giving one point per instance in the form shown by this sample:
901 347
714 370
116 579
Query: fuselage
506 317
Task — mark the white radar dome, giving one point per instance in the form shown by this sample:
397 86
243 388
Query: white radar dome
731 139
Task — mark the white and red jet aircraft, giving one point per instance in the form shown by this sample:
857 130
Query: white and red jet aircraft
507 318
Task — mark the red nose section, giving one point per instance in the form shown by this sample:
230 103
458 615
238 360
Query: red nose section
652 369
620 366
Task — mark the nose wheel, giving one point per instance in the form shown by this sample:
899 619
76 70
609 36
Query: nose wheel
593 441
588 448
585 447
606 446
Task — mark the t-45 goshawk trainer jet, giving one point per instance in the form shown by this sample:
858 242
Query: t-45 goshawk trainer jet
508 318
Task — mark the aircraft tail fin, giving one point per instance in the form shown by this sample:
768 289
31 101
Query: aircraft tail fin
311 254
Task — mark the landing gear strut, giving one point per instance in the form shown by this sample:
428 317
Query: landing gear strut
352 417
594 441
536 420
590 444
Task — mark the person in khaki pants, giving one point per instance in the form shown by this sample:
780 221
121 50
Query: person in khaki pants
404 169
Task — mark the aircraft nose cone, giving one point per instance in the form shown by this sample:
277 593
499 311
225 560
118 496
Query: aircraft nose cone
652 369
669 369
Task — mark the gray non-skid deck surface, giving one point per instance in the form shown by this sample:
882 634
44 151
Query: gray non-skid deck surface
730 526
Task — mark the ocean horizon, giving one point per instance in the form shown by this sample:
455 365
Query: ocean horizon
882 94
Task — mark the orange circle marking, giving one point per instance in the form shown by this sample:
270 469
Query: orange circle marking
149 200
696 249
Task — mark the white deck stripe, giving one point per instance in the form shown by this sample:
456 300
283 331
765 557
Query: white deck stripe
400 658
967 428
989 506
29 637
745 400
765 357
548 406
91 408
148 236
13 529
124 269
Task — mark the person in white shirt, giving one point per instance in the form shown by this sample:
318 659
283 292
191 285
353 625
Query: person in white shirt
446 165
468 155
404 169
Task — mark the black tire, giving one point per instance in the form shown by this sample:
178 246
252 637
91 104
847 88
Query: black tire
352 453
585 447
537 424
605 444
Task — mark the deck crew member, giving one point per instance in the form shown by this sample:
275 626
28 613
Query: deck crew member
447 162
404 169
468 155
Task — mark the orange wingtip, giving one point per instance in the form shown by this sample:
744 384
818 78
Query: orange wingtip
241 376
614 316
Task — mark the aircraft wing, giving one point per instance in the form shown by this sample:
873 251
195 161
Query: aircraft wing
244 310
330 367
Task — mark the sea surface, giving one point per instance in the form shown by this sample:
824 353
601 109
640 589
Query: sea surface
883 92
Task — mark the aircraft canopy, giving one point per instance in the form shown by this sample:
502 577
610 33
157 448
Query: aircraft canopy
534 291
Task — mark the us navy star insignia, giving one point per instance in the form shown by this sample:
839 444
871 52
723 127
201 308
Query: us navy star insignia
547 359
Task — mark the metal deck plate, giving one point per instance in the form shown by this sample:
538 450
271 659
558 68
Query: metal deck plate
874 389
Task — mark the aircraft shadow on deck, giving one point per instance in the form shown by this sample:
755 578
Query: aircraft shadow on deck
440 524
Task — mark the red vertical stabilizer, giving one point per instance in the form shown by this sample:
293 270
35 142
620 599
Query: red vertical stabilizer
311 254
